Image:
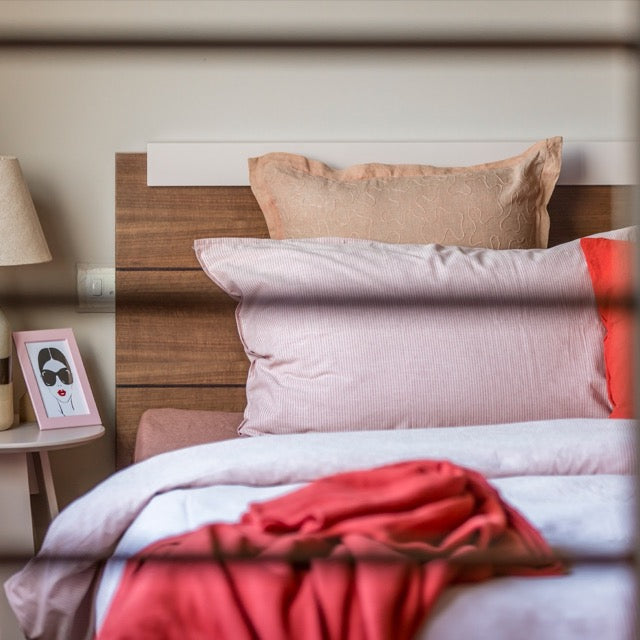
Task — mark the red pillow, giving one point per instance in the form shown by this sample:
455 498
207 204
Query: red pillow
610 264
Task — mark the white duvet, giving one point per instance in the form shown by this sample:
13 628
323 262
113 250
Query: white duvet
571 478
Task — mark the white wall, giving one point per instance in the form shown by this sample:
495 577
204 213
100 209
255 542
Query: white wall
332 18
66 111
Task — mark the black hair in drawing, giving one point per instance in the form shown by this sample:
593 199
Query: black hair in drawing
51 353
49 377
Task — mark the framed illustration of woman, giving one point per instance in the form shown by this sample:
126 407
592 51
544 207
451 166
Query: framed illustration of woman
55 378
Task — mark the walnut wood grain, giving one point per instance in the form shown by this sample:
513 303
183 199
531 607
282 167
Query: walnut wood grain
578 211
131 402
156 226
176 327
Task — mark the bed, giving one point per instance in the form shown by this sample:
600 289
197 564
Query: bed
382 366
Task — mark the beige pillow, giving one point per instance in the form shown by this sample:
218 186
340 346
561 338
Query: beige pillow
500 205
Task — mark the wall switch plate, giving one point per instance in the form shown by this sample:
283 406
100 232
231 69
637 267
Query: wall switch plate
96 288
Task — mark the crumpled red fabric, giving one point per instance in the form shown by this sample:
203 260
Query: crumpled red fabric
361 555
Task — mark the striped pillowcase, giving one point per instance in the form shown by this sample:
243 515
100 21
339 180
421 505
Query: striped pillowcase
346 334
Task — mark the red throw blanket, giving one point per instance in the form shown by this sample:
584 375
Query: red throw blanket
354 556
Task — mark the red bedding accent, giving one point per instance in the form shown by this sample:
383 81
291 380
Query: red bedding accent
354 556
610 264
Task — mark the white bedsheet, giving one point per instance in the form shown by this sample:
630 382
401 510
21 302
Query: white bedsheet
590 515
578 490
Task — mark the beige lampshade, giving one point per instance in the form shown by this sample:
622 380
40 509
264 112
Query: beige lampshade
21 237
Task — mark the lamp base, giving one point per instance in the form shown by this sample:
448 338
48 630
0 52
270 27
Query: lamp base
6 385
6 406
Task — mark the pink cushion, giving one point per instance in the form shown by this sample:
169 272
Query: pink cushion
354 334
163 430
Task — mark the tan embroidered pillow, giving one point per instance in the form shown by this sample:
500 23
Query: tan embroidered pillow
500 205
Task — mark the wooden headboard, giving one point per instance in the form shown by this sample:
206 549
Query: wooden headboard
176 338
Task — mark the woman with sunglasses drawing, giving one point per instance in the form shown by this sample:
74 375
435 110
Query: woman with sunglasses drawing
57 377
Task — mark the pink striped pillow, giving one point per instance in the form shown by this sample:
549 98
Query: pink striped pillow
347 334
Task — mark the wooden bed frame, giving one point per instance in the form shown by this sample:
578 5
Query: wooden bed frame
176 339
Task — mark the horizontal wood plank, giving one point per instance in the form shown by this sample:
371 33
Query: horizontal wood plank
581 211
176 327
156 226
132 402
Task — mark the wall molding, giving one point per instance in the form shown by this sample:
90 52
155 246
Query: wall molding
225 163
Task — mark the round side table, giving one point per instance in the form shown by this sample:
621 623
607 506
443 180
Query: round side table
17 445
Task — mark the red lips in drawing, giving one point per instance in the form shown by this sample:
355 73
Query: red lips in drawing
62 393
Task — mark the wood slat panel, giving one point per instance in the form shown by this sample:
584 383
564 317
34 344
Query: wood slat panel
173 327
132 402
156 226
176 327
580 211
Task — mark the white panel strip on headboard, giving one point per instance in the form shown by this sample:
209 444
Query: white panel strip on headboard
225 163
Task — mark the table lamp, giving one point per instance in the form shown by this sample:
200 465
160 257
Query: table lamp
21 242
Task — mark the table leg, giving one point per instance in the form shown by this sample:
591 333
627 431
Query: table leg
49 489
16 524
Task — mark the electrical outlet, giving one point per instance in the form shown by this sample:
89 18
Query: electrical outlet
96 288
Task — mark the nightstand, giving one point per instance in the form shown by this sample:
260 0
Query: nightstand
19 446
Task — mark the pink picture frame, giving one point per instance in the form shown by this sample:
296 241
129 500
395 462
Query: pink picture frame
55 378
